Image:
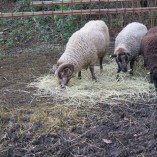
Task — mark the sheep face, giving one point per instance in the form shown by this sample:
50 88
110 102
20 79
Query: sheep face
64 77
122 61
64 73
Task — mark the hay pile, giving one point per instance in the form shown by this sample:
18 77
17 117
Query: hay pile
105 89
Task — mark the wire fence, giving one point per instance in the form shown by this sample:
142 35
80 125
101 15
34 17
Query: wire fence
25 23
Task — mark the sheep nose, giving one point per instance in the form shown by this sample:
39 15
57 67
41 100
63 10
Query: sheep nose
62 86
124 69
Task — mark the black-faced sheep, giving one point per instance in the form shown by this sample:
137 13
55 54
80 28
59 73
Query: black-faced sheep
82 51
127 45
149 50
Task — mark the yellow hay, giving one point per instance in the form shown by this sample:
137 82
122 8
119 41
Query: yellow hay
106 88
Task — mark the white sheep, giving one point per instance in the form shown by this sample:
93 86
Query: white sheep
82 51
127 45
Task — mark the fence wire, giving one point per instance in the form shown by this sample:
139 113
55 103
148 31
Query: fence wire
47 25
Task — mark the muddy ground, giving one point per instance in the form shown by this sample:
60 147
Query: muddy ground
32 126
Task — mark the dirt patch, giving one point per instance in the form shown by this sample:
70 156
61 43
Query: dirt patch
40 126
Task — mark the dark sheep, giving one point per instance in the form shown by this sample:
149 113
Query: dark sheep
149 50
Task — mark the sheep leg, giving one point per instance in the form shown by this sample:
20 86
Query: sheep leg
119 69
151 78
91 67
145 63
100 62
79 75
131 66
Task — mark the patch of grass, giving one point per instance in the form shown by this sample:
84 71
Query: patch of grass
117 22
52 117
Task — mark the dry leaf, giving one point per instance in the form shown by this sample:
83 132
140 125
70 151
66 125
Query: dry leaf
107 141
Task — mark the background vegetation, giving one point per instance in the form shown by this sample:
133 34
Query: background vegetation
57 29
44 29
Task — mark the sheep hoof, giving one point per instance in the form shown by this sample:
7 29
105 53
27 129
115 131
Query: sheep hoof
63 86
118 71
130 72
79 77
94 78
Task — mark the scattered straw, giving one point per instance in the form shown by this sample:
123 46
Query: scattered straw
106 88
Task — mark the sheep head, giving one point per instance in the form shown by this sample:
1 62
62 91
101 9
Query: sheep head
64 72
122 58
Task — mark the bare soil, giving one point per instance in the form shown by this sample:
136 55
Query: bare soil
34 126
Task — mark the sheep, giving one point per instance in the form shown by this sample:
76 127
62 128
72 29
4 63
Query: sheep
149 50
83 49
127 46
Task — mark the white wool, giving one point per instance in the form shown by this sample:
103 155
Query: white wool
130 38
86 45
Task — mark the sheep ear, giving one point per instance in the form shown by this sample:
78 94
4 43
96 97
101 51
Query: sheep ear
113 55
66 69
128 54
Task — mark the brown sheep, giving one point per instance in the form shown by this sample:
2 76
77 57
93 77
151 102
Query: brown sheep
149 50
